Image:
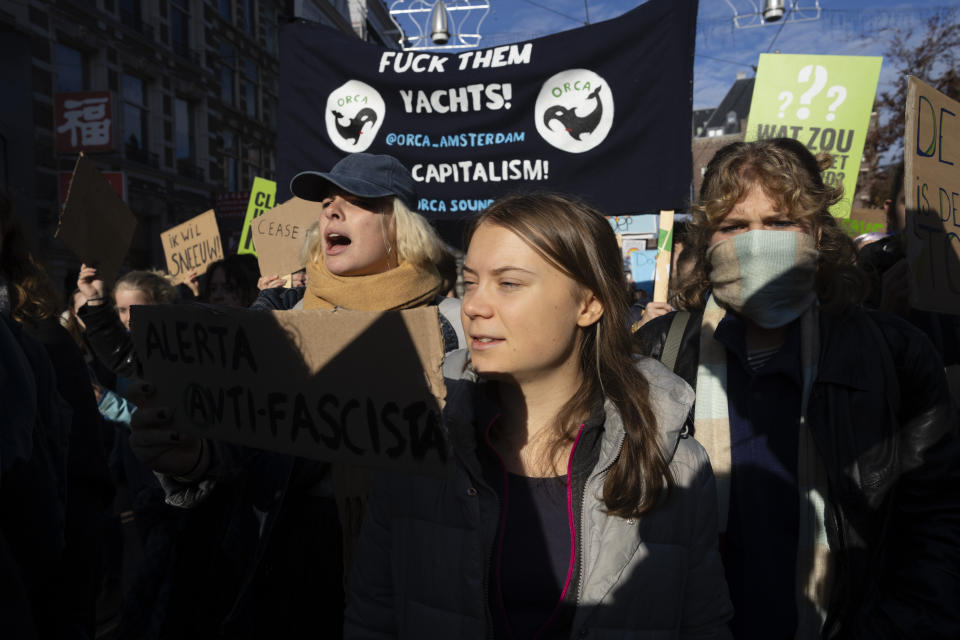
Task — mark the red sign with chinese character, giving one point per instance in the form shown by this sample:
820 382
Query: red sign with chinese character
84 122
115 178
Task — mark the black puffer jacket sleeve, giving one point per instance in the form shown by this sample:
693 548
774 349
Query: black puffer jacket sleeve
278 299
110 341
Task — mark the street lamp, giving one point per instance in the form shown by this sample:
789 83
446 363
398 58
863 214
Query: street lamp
773 10
425 25
439 23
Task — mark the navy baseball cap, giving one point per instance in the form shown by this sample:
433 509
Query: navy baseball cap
366 175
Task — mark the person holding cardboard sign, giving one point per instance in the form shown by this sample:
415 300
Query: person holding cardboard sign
830 427
368 251
578 504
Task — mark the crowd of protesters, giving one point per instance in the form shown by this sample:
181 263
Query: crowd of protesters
772 454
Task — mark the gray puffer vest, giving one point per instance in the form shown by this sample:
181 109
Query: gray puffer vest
423 562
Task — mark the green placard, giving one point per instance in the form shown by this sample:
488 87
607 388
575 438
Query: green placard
822 101
263 197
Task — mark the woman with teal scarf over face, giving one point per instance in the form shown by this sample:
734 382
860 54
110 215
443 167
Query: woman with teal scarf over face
830 428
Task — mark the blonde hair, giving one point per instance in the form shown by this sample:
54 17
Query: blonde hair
416 239
154 284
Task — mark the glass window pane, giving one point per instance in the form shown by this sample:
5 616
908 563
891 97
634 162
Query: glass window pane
250 94
250 69
133 126
132 89
130 13
179 31
182 129
70 70
226 85
226 11
248 13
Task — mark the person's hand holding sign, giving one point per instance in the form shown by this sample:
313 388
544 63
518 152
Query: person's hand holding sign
159 447
91 285
193 282
269 282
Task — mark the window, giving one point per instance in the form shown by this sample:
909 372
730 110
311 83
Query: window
249 87
71 69
270 110
270 30
226 10
133 91
131 14
230 161
248 11
183 129
227 64
180 26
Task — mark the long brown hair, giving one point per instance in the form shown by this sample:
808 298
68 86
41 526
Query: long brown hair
791 177
579 241
32 295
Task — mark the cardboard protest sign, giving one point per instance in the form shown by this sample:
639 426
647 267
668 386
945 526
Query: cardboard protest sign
278 235
638 245
931 184
345 386
664 253
603 111
263 197
824 102
192 245
95 223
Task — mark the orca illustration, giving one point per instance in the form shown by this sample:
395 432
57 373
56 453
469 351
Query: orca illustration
575 125
352 131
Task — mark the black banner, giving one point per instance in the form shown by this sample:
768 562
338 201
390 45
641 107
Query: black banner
602 112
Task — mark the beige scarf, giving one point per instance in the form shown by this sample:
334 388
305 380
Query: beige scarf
712 430
404 287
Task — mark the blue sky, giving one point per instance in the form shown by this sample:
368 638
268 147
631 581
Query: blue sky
845 27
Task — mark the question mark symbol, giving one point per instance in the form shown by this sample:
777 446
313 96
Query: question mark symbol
787 98
841 95
819 82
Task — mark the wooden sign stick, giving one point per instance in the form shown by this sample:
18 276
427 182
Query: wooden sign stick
664 251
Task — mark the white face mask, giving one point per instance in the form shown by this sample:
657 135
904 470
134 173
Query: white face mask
766 276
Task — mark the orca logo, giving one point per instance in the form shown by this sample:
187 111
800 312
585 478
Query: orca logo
574 110
353 116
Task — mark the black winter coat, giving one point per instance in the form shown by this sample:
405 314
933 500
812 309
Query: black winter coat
886 429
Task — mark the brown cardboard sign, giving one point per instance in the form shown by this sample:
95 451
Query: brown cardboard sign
95 223
279 234
346 386
192 245
932 191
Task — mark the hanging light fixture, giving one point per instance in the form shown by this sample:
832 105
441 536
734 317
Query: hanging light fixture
439 23
773 10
